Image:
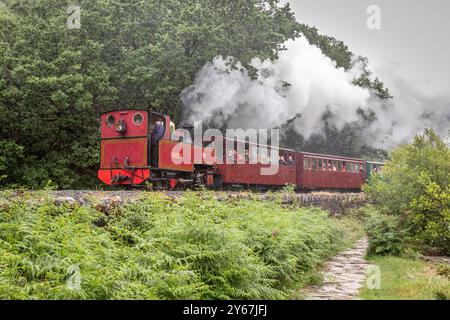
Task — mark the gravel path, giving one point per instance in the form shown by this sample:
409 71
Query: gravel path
343 275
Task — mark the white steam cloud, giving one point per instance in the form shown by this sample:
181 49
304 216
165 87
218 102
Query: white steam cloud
415 106
221 95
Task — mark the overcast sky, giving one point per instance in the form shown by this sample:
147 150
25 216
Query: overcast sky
414 39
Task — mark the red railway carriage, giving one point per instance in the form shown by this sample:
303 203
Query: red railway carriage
126 152
261 171
320 171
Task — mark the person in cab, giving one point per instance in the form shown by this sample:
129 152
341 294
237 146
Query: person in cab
157 134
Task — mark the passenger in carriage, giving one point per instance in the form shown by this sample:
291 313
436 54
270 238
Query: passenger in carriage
290 161
231 156
239 157
282 161
264 159
344 167
247 156
361 168
334 166
329 166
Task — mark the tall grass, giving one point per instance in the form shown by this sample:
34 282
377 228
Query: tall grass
158 248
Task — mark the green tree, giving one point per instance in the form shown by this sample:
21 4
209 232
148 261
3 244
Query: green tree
54 81
415 185
339 52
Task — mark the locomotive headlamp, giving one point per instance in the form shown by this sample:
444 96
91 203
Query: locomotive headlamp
121 126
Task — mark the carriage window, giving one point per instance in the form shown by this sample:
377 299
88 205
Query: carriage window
361 167
309 163
315 164
282 159
264 155
320 164
290 160
335 165
252 154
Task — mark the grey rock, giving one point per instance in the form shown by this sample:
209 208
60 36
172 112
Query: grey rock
109 203
59 201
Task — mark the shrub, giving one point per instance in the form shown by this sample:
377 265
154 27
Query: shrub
441 293
415 185
383 233
443 269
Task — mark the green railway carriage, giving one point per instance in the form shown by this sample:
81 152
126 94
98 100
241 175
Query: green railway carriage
373 167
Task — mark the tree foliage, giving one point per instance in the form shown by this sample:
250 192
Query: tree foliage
415 185
339 52
54 81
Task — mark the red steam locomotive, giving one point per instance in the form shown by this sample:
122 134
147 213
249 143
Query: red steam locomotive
130 157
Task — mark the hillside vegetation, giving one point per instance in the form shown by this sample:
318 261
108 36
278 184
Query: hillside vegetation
195 247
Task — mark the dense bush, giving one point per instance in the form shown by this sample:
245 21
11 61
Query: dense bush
11 155
384 233
159 248
415 186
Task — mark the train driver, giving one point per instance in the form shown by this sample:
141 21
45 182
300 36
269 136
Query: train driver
157 134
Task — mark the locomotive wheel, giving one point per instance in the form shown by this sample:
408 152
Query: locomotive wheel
199 180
